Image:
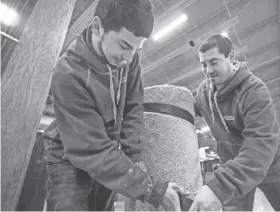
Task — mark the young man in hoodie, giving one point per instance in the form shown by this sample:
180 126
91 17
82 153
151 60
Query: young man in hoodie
97 89
238 109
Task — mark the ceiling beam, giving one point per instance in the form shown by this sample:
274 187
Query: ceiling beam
187 47
264 49
230 23
235 30
243 49
256 28
175 7
9 36
274 80
205 21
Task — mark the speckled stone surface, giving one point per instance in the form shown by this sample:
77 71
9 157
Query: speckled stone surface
171 147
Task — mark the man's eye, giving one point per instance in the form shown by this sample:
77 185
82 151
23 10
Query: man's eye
124 47
204 65
213 64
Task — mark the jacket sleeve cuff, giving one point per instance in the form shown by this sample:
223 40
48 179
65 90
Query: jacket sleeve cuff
219 190
158 193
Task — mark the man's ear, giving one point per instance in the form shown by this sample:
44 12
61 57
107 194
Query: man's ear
97 28
231 56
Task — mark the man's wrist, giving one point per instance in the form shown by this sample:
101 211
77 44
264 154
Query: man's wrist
158 193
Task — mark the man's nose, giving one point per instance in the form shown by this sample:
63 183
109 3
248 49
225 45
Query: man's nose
209 71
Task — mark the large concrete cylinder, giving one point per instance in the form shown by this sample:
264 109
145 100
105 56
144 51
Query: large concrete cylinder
171 148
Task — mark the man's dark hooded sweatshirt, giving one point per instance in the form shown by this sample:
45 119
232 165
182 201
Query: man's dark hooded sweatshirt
242 119
99 117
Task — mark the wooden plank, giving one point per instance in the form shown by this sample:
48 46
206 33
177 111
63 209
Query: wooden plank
83 21
25 87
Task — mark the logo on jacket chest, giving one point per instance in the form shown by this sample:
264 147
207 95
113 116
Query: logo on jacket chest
229 118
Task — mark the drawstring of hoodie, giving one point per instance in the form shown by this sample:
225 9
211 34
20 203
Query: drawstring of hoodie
88 77
115 98
220 114
216 104
211 106
112 92
236 66
121 67
119 85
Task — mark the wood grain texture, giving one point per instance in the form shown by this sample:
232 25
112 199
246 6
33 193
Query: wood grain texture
25 86
77 27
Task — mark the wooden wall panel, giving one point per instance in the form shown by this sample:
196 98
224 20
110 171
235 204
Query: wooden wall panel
25 86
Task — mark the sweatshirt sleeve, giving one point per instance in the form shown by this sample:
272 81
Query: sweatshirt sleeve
133 113
88 147
261 139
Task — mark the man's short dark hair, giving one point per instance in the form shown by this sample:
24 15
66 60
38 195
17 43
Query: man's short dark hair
223 43
134 15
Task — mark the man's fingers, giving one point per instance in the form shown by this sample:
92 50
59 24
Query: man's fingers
141 165
194 206
179 189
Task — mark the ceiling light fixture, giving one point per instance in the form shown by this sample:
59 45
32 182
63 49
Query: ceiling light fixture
8 16
170 27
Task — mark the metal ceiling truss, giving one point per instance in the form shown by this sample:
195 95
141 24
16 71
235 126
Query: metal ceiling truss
181 4
230 23
261 25
188 31
187 47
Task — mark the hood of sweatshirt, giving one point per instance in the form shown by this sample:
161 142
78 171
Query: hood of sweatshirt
82 47
224 92
240 75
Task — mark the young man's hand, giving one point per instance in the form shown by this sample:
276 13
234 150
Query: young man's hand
206 200
171 200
